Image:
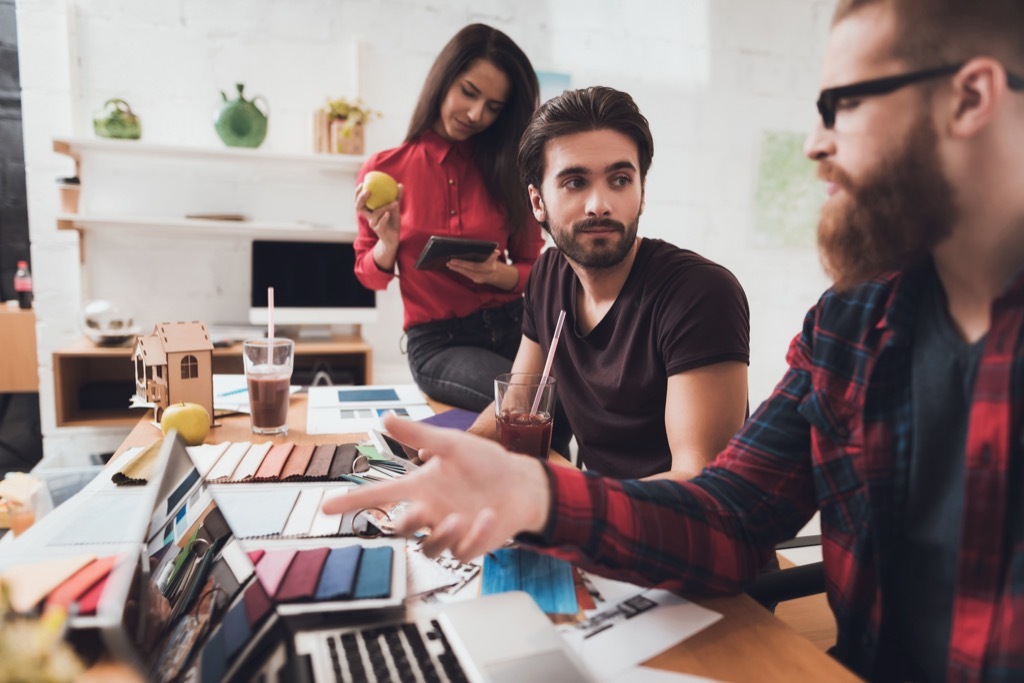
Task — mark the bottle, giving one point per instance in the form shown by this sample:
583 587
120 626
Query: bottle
23 285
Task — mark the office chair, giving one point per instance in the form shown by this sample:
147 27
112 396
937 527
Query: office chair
801 581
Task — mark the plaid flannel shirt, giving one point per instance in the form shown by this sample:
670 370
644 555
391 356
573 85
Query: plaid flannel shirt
835 436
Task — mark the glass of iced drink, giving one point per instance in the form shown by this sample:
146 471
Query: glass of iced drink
524 422
268 371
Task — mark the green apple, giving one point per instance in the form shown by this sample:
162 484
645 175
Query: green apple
382 188
190 420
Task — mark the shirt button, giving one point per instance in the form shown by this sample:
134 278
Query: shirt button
453 212
451 182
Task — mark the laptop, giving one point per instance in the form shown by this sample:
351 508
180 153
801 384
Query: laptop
230 625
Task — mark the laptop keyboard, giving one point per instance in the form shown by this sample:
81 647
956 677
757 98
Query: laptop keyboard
394 653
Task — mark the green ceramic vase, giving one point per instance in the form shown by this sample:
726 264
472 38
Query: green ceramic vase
239 122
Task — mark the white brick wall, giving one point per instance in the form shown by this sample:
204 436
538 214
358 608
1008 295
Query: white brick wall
711 75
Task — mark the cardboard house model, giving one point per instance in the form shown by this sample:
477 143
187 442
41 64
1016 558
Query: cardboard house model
175 365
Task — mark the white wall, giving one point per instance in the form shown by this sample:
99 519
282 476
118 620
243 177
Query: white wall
711 75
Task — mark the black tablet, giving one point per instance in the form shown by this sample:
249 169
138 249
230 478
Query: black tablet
439 250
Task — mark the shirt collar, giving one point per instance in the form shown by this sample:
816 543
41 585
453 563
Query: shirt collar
905 300
438 149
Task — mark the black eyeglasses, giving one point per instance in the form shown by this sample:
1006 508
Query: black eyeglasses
830 97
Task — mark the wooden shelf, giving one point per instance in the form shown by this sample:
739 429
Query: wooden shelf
207 228
84 373
339 163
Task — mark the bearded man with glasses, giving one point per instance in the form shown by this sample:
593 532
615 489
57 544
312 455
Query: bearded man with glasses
901 417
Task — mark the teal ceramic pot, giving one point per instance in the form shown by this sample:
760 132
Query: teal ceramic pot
239 122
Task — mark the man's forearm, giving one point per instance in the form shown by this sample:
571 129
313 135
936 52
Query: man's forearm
485 424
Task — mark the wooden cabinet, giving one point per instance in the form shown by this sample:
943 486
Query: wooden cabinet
92 384
19 368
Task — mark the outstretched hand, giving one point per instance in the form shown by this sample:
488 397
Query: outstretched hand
473 494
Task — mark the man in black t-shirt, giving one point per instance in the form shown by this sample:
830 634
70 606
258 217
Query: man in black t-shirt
652 361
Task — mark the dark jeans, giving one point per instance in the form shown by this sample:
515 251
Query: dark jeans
455 361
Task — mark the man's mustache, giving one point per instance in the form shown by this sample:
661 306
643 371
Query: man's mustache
591 223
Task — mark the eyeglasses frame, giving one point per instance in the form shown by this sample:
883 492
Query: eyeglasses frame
828 99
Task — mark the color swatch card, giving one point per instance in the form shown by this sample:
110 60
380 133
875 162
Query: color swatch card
245 463
366 396
548 580
322 574
349 420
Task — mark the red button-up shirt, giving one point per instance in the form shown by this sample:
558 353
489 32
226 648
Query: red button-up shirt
836 436
445 194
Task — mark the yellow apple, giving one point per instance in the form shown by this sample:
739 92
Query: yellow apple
190 420
382 188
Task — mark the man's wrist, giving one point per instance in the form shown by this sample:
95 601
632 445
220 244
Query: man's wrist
538 508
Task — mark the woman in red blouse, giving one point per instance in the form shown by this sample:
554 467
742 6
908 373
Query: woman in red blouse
457 177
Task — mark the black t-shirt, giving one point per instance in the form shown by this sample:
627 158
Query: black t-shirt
676 312
943 374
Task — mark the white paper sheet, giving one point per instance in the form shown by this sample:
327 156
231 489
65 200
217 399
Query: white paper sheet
624 643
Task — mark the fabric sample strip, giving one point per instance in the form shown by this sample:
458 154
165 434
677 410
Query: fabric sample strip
205 456
228 462
90 600
234 556
236 628
251 462
301 518
303 575
337 580
256 516
272 568
323 523
140 469
374 577
298 461
257 603
344 454
80 583
274 461
320 465
213 664
30 583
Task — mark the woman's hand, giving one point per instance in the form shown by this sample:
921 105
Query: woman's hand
492 272
385 221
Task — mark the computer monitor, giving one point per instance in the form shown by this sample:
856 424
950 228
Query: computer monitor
314 284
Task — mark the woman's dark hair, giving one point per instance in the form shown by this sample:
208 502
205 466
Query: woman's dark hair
495 147
581 111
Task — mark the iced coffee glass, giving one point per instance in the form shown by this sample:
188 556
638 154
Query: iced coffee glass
268 371
521 428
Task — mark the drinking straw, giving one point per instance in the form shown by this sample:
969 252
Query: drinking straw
270 315
549 361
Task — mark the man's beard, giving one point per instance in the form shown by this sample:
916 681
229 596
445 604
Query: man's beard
890 219
604 252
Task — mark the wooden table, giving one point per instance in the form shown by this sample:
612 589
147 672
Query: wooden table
748 644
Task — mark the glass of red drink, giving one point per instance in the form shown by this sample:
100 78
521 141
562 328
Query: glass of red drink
523 420
268 371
